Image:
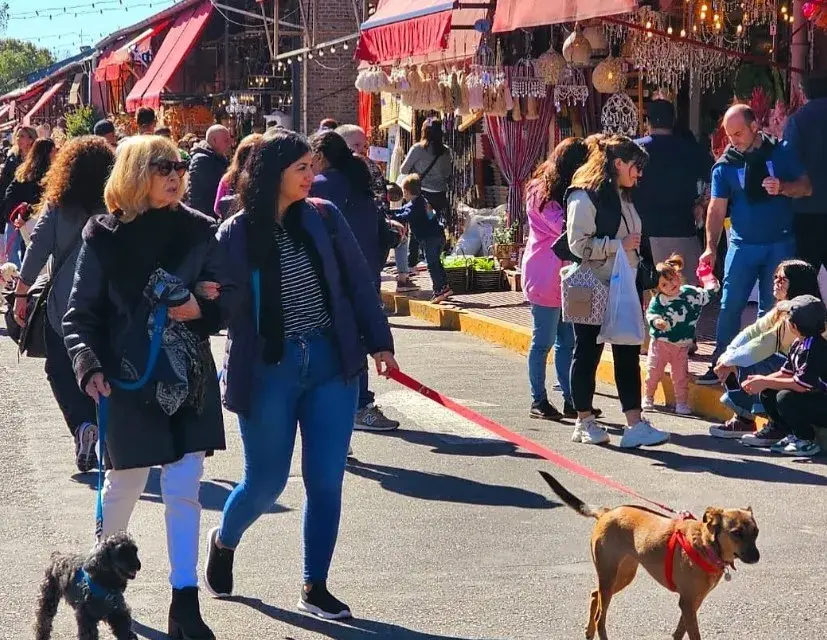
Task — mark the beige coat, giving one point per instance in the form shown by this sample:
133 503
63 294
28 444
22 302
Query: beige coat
599 253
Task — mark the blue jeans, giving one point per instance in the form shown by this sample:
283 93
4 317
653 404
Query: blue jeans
746 263
548 329
740 401
306 389
433 250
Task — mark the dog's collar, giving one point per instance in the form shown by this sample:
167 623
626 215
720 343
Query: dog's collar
85 582
708 561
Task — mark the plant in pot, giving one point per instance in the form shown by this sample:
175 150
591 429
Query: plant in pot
485 275
507 245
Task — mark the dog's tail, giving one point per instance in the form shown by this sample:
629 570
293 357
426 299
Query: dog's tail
47 604
572 500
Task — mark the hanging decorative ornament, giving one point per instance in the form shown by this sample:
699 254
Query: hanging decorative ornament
571 88
576 49
597 39
608 76
620 115
549 66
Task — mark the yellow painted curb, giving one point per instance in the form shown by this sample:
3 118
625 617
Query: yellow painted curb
704 400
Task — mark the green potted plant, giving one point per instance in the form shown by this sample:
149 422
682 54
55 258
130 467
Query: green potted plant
507 245
486 275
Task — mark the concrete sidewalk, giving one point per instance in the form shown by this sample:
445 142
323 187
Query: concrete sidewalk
504 318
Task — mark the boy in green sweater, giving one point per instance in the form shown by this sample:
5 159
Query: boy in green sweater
672 318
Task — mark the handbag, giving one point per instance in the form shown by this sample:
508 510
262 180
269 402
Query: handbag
647 275
31 338
585 296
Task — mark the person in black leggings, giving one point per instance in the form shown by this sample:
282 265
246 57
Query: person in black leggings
602 220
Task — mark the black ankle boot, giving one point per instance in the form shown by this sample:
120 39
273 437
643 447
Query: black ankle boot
185 621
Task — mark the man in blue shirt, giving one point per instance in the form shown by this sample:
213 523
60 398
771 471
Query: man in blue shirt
806 133
757 177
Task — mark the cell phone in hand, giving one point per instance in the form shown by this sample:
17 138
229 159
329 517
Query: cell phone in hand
731 383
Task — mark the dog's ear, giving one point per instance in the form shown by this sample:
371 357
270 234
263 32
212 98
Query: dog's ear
749 509
713 517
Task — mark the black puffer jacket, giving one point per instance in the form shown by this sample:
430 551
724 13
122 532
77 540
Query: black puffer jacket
206 169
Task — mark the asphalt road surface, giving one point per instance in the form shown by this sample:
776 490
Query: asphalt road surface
447 532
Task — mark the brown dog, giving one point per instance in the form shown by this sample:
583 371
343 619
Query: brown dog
689 554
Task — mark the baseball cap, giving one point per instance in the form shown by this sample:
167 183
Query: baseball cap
807 313
103 127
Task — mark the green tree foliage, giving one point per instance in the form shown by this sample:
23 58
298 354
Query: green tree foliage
81 121
19 58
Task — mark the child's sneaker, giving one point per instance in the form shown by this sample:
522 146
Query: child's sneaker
648 404
683 409
588 431
442 295
793 446
733 429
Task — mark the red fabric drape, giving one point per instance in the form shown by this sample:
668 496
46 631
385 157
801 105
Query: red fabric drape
365 111
517 147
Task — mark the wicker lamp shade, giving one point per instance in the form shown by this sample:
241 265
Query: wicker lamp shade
549 66
608 76
576 49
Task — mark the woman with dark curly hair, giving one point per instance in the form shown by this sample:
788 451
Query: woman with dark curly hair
73 194
226 198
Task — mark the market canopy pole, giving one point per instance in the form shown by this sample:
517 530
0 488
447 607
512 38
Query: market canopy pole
695 43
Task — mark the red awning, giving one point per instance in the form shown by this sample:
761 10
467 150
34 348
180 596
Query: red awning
109 66
520 14
403 28
4 110
42 102
181 37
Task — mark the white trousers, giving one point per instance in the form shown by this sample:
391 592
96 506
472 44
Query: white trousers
180 484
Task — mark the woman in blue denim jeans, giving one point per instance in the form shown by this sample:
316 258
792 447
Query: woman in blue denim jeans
541 277
761 349
306 315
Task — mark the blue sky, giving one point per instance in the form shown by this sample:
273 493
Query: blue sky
64 33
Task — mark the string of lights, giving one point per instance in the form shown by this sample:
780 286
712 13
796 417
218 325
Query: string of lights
88 9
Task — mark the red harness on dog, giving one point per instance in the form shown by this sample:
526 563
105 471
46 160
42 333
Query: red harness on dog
709 562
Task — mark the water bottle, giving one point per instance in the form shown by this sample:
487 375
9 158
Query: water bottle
707 278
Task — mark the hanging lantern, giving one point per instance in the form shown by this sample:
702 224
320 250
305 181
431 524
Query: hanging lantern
549 66
597 39
608 76
619 115
576 49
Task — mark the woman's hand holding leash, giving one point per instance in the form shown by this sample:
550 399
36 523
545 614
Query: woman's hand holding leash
97 387
187 311
385 362
208 290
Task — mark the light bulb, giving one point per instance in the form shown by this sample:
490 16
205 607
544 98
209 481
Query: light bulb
321 53
703 8
683 33
669 31
309 56
345 46
740 29
332 49
784 9
648 24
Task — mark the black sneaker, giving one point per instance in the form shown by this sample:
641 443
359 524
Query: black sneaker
766 437
218 572
544 410
709 378
320 602
570 412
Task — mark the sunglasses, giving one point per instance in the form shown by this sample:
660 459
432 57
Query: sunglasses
779 278
165 167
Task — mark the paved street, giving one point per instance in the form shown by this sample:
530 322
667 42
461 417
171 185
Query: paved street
446 534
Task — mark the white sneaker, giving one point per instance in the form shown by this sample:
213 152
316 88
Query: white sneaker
683 409
642 434
588 431
648 404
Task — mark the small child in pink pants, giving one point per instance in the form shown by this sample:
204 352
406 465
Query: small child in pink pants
672 317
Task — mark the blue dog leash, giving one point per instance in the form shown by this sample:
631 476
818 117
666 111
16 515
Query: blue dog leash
159 319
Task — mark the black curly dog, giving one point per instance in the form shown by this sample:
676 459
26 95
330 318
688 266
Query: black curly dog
93 586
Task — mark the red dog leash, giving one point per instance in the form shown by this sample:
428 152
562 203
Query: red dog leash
515 438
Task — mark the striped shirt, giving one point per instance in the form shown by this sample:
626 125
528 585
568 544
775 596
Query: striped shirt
302 298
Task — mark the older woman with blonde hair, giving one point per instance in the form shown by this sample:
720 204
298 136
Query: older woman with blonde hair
142 270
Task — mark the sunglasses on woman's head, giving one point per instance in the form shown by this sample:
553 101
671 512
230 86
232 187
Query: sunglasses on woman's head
165 167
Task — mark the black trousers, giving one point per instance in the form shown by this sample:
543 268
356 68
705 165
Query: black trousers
796 412
587 354
810 231
75 405
439 202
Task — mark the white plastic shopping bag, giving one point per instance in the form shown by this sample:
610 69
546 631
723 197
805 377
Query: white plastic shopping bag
623 321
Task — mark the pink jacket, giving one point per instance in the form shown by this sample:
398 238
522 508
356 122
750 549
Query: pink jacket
541 267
